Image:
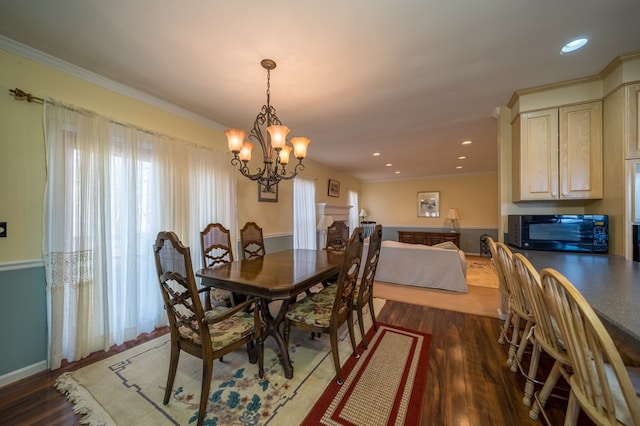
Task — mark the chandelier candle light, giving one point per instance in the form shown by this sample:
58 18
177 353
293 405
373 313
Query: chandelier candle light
274 148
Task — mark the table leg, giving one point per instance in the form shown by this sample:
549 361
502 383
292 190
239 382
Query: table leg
272 328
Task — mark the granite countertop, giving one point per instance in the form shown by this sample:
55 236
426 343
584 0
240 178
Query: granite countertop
611 284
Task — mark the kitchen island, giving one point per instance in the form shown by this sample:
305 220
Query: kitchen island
611 284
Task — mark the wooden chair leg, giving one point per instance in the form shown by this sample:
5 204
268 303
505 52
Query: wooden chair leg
522 346
515 333
529 386
352 334
260 346
573 411
544 393
373 314
336 355
505 328
173 367
361 325
207 372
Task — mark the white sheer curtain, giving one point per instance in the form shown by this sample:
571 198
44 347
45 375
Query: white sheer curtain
304 213
110 188
354 219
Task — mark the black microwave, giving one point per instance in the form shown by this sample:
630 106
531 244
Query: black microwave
560 232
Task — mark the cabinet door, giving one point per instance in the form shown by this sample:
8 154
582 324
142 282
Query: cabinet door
631 131
580 161
535 156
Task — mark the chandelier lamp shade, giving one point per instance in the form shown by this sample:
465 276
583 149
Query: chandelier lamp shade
276 152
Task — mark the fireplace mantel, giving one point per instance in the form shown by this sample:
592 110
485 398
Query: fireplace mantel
338 212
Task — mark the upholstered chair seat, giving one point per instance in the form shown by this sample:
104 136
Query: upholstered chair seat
223 333
314 310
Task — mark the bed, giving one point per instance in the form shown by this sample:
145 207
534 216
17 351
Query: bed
422 266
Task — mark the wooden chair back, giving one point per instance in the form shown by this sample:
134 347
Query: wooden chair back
518 298
364 294
547 333
215 240
600 383
337 236
252 241
502 285
546 336
180 294
365 288
348 277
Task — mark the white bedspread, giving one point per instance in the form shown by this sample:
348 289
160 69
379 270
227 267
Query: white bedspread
422 266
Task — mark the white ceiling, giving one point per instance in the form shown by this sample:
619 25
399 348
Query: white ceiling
410 79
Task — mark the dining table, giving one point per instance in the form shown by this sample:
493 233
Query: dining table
278 276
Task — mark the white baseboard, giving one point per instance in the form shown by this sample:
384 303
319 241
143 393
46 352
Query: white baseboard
22 373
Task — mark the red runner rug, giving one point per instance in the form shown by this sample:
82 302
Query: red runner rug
383 387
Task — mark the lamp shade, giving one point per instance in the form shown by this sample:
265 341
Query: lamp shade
363 213
453 214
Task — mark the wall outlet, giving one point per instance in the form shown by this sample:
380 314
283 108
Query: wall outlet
3 229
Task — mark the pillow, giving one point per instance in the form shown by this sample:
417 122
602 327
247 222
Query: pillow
446 245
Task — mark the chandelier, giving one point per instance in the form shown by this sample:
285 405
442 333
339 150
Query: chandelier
275 150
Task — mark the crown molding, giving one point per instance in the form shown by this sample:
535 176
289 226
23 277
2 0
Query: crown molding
35 55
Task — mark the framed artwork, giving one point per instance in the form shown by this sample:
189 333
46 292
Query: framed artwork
334 188
267 195
429 204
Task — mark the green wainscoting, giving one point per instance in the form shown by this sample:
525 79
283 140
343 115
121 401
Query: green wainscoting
23 313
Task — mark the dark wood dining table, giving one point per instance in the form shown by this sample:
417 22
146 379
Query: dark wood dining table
276 276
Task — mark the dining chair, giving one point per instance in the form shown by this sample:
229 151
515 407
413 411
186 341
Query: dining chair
215 241
600 383
546 337
337 235
519 307
252 241
204 334
505 293
324 312
363 293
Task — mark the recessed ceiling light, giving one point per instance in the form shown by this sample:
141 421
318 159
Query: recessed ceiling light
458 167
462 157
397 172
574 45
376 154
388 164
467 142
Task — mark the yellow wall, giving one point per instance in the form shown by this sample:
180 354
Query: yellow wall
395 203
22 162
277 218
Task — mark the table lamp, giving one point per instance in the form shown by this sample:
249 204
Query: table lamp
452 216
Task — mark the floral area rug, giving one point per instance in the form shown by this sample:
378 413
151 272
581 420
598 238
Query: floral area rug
128 388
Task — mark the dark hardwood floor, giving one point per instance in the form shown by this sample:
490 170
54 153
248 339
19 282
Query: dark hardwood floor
468 380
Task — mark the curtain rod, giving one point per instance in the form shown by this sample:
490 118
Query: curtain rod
21 95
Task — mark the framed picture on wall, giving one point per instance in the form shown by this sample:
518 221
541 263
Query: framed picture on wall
270 195
334 188
429 204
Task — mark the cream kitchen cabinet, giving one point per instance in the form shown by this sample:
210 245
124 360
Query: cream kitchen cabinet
632 124
557 153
